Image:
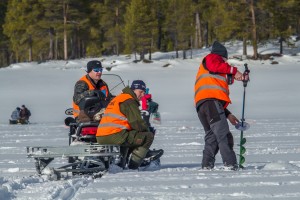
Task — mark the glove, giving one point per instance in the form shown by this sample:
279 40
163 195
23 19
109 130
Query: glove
99 94
152 129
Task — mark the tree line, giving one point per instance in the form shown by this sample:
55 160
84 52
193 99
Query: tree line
39 30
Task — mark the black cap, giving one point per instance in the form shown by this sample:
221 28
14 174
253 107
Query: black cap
93 64
138 84
218 48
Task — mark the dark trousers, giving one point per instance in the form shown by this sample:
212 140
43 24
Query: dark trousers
217 135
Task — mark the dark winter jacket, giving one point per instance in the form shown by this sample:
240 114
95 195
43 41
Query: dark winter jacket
25 113
81 89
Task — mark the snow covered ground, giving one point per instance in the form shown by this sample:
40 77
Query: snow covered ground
272 167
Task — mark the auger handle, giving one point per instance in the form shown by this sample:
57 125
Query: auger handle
246 75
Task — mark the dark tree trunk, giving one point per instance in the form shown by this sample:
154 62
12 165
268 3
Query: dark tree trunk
65 9
254 34
244 46
51 43
30 48
206 34
184 54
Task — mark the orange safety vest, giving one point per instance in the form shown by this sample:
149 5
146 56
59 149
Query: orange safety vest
113 120
209 85
91 87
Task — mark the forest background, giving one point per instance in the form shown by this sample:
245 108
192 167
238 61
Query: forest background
41 30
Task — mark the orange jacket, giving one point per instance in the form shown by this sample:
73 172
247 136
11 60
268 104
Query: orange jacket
91 87
211 86
113 120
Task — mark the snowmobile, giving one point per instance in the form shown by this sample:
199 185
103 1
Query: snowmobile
84 154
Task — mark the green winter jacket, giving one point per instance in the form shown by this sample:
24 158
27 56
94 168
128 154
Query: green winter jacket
130 108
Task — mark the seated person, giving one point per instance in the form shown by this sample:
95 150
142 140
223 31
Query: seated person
24 114
123 125
15 115
90 85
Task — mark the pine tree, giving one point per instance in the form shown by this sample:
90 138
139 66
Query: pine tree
179 24
112 23
19 27
140 26
186 25
283 19
4 48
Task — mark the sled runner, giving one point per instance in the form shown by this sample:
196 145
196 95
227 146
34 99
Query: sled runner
86 159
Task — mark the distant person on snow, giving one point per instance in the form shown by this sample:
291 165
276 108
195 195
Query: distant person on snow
123 125
90 85
24 114
15 115
211 100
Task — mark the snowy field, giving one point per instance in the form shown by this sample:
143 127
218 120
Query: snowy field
272 167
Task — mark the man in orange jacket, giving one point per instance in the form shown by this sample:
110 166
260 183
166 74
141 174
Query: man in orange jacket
211 100
90 85
122 124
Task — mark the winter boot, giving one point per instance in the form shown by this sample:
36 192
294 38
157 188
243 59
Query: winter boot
152 155
137 157
234 167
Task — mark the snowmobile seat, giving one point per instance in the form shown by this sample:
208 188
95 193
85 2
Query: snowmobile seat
90 107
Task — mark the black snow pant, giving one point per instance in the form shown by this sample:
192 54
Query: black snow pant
217 134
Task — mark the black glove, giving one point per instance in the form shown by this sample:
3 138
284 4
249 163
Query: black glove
99 94
152 129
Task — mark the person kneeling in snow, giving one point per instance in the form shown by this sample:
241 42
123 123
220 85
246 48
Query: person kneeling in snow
123 125
15 115
24 114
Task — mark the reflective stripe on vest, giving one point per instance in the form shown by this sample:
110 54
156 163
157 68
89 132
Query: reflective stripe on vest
210 86
113 120
91 87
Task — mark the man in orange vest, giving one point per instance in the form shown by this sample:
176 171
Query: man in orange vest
211 100
90 85
122 124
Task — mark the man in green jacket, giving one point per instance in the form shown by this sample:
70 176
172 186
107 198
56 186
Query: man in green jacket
123 125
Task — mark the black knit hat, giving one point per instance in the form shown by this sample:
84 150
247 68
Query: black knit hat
92 65
219 49
138 84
